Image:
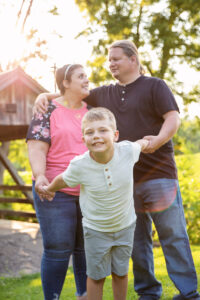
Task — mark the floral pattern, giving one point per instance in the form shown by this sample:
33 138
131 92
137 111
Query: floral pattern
39 128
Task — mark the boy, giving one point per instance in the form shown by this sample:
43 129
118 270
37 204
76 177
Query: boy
105 173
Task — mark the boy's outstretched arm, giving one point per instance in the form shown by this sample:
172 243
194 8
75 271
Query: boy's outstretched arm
56 185
143 143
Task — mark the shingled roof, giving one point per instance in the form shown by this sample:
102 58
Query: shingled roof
9 77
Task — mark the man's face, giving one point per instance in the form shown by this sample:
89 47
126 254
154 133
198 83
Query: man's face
120 64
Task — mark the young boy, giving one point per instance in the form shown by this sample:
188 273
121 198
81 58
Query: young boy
105 173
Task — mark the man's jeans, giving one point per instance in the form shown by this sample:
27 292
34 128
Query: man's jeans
61 226
171 227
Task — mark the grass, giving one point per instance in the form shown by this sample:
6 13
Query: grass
29 287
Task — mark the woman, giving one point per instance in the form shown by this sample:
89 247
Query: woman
53 140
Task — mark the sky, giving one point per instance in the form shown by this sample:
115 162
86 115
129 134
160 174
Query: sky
67 49
60 50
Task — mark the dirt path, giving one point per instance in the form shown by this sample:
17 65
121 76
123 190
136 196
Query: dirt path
20 248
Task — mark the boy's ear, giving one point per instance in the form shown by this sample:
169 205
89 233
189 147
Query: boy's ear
116 137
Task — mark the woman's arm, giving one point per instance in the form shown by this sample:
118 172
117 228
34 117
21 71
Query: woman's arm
37 152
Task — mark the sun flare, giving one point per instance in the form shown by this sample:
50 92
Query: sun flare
14 45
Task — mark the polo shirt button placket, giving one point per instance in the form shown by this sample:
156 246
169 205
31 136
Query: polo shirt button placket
108 177
123 92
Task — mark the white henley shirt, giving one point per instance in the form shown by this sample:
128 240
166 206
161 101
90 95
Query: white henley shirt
106 195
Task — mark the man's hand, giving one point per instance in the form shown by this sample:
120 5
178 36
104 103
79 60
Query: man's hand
143 143
169 127
41 104
153 145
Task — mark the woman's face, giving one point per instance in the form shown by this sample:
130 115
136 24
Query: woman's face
79 83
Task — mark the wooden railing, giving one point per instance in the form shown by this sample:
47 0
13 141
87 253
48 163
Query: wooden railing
28 200
20 186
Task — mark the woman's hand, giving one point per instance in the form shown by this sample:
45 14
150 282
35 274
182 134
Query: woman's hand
51 195
40 182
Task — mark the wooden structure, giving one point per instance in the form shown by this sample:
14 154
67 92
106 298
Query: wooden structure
17 95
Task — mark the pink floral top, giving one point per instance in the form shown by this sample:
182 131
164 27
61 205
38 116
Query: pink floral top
60 127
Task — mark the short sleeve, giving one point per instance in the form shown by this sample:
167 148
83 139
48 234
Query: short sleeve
96 97
163 98
39 128
71 175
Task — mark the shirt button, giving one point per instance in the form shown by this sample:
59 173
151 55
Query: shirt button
123 92
106 170
122 99
110 184
108 177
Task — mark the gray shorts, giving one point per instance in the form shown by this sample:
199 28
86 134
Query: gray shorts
108 252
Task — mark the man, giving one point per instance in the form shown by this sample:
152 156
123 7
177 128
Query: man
145 107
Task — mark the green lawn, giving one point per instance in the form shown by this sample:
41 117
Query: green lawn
29 287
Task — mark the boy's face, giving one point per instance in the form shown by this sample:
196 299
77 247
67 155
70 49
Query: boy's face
99 136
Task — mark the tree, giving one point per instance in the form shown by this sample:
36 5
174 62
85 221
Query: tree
165 31
38 50
188 136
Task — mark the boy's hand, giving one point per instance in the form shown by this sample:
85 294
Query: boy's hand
154 143
48 195
145 145
41 181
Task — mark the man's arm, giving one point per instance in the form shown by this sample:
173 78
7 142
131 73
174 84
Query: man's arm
37 151
169 128
42 102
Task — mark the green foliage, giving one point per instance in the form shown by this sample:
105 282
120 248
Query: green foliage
29 287
188 172
166 33
186 141
18 155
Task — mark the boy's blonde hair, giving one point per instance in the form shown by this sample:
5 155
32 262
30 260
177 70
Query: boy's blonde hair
98 114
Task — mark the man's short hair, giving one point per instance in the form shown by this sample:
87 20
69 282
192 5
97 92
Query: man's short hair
129 49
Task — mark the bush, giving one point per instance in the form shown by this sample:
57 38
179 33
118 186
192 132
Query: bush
188 173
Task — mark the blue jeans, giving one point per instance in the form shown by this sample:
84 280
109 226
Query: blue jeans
61 226
171 228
